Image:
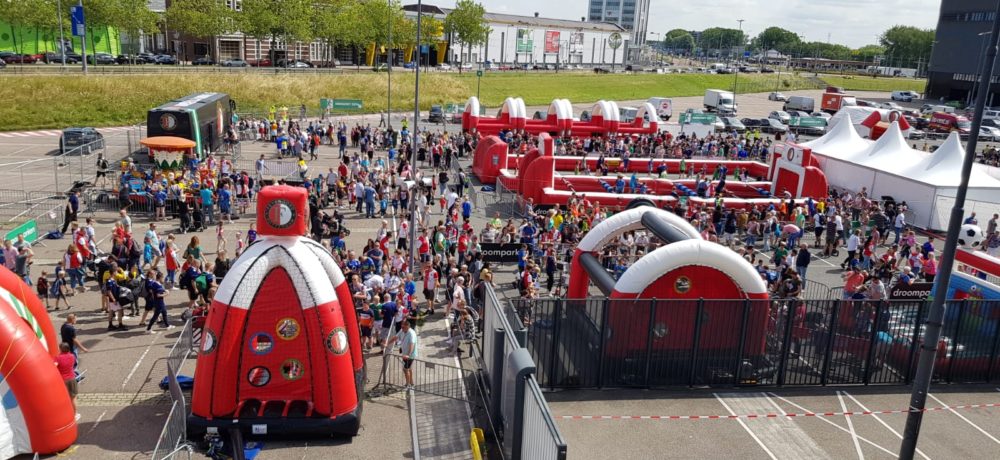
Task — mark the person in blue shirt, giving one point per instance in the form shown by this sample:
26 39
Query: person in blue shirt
367 267
620 185
392 154
522 257
354 265
369 201
375 256
225 203
634 183
338 243
528 233
207 202
466 209
156 293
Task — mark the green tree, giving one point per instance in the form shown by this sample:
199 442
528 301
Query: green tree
776 38
721 39
467 24
200 18
328 24
287 20
679 40
867 52
28 13
907 45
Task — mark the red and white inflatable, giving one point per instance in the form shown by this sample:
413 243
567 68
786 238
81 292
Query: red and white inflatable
37 415
513 115
281 348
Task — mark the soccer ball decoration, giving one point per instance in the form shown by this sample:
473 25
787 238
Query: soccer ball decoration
970 236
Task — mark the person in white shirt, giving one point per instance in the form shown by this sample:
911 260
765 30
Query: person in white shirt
852 248
408 341
898 225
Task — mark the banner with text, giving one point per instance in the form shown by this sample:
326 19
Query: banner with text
551 42
500 252
525 40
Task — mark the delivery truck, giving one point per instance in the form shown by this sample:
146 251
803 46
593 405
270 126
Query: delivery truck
723 102
833 102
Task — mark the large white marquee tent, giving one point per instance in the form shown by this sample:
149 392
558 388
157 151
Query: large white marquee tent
927 182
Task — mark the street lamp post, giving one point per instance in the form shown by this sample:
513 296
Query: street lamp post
416 142
62 40
736 72
935 316
388 70
975 84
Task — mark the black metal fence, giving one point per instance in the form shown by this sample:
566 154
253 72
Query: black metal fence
595 343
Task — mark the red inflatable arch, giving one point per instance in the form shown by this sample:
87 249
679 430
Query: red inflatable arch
281 348
30 308
36 414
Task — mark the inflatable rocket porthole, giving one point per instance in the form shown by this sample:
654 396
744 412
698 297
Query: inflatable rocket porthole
281 344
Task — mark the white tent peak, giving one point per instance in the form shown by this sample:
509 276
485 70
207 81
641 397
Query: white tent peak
950 152
841 132
890 142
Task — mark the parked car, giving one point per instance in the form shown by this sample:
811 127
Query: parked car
601 70
585 115
145 58
75 137
917 122
863 103
539 115
733 124
465 66
766 70
14 58
821 115
2 64
915 133
409 65
797 113
891 106
234 63
300 64
165 59
776 96
989 134
904 96
56 58
204 60
101 59
444 66
436 114
780 115
765 125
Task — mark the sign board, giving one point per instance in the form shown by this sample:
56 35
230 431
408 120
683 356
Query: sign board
76 17
346 104
697 118
551 42
915 291
500 252
525 41
424 49
615 40
576 43
325 103
746 54
29 229
807 122
479 73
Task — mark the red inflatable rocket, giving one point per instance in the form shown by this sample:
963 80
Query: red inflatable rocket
281 349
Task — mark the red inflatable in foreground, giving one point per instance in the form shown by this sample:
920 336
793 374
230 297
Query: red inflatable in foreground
281 349
37 415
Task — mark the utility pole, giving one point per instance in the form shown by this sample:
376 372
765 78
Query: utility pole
62 40
388 71
935 317
736 71
416 143
83 41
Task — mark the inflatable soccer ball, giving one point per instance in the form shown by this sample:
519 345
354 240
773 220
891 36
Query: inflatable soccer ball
970 236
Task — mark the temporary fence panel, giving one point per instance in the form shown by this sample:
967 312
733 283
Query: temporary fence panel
542 440
173 437
596 343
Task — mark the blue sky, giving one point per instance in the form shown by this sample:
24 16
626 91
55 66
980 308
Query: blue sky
850 22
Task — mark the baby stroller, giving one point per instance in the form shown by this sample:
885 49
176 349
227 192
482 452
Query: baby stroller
197 220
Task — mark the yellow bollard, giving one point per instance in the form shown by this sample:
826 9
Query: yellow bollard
476 439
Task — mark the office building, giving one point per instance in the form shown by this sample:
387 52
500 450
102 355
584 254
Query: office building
631 15
961 36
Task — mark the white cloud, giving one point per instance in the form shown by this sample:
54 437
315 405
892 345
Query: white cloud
849 22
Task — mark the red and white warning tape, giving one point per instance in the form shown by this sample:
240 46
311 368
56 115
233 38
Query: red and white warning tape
774 415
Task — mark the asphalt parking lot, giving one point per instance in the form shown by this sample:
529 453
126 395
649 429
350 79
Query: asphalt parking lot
755 423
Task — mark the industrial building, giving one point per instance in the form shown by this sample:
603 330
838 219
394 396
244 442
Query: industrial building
963 32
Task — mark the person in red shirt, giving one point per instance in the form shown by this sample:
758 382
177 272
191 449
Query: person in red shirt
65 363
424 246
853 280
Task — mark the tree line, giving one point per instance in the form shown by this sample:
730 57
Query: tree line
903 44
353 23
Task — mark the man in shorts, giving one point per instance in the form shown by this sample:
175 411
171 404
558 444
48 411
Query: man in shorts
366 319
431 284
407 339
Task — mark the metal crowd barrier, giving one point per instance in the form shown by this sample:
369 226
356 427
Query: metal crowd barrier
528 429
173 437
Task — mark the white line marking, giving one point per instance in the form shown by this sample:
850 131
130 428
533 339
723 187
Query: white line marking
97 422
977 427
826 420
879 419
138 362
745 427
850 426
5 135
20 134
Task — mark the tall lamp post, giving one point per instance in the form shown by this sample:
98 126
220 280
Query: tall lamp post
736 71
929 347
416 141
388 71
62 40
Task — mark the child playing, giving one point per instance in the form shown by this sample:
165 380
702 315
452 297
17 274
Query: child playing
42 287
172 261
252 234
58 290
240 245
220 237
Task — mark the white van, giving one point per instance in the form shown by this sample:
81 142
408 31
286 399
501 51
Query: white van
904 96
664 107
800 103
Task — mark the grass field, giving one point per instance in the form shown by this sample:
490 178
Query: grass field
859 83
57 101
